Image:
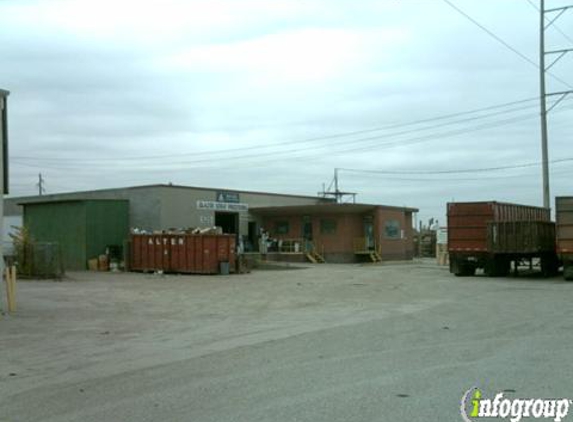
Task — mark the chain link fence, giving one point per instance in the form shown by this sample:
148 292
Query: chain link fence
39 260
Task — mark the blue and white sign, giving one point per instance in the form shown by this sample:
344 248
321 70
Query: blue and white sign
232 197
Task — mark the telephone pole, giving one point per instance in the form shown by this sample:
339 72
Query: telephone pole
544 24
543 98
40 185
338 195
3 162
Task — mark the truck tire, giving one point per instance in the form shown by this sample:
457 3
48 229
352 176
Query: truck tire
462 268
503 266
497 266
550 265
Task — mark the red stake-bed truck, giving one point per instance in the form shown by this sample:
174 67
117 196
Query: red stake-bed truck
564 215
492 235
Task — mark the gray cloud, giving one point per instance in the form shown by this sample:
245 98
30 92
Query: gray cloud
89 94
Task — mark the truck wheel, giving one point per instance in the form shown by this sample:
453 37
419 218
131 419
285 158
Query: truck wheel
470 269
549 265
490 267
462 268
503 266
497 266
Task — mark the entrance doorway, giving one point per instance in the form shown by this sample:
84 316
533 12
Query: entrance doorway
228 221
253 240
369 234
307 228
307 233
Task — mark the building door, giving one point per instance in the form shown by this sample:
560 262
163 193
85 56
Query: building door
307 233
228 221
307 228
253 244
369 234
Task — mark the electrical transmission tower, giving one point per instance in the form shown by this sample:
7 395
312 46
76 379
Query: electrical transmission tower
547 19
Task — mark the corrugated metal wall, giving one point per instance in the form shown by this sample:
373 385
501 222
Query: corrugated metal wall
63 223
564 212
467 221
82 228
107 224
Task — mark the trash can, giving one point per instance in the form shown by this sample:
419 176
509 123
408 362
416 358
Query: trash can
224 268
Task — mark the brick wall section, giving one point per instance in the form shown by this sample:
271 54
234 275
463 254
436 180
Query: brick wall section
394 248
348 226
339 247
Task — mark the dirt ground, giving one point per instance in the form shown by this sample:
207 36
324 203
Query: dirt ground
99 329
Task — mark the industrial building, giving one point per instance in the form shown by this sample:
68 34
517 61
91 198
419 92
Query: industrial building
164 207
305 224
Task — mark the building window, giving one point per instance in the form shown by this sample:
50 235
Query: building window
282 227
327 226
392 229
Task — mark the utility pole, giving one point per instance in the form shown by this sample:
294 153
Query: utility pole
543 25
40 185
543 99
3 163
336 191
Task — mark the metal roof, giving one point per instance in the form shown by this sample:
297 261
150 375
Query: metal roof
63 195
71 200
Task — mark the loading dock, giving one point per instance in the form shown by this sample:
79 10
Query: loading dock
228 221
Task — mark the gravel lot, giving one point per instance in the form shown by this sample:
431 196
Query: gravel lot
392 342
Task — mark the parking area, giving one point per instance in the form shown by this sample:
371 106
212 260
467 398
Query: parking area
318 343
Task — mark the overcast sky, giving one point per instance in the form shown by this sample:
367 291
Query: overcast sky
273 95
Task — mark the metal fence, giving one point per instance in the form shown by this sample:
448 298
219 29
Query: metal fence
39 260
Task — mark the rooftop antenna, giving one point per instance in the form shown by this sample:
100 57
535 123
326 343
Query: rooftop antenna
338 195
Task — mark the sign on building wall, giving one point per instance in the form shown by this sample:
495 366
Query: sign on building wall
231 197
221 206
392 230
207 220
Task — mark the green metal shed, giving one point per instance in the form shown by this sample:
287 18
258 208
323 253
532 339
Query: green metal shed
83 228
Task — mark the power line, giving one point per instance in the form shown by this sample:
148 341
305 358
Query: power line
456 171
302 141
342 142
374 144
504 43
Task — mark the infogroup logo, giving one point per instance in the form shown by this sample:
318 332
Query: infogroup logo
474 406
